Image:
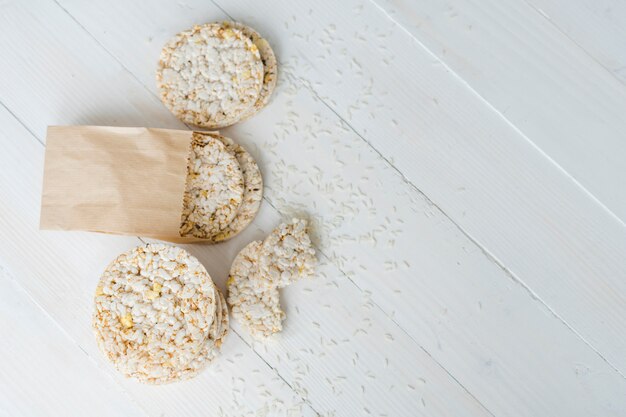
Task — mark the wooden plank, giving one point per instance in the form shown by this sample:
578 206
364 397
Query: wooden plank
44 372
439 297
597 26
534 77
252 387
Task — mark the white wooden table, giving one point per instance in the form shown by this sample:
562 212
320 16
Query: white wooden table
465 165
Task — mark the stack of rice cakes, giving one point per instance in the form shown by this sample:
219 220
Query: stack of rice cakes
224 189
216 74
261 269
158 316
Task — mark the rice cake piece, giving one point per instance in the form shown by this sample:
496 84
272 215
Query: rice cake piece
286 255
270 66
210 75
256 307
253 189
214 190
154 308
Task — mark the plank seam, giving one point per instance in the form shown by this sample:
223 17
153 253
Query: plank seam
306 84
486 252
579 46
105 49
305 400
21 123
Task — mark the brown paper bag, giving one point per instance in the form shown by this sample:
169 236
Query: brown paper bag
120 180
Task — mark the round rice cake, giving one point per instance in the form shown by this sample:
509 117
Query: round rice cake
214 189
252 194
286 255
256 307
154 309
210 75
270 66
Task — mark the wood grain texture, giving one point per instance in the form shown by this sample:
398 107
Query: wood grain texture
597 26
410 315
536 78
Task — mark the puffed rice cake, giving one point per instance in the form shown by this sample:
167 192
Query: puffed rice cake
214 188
211 75
158 315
